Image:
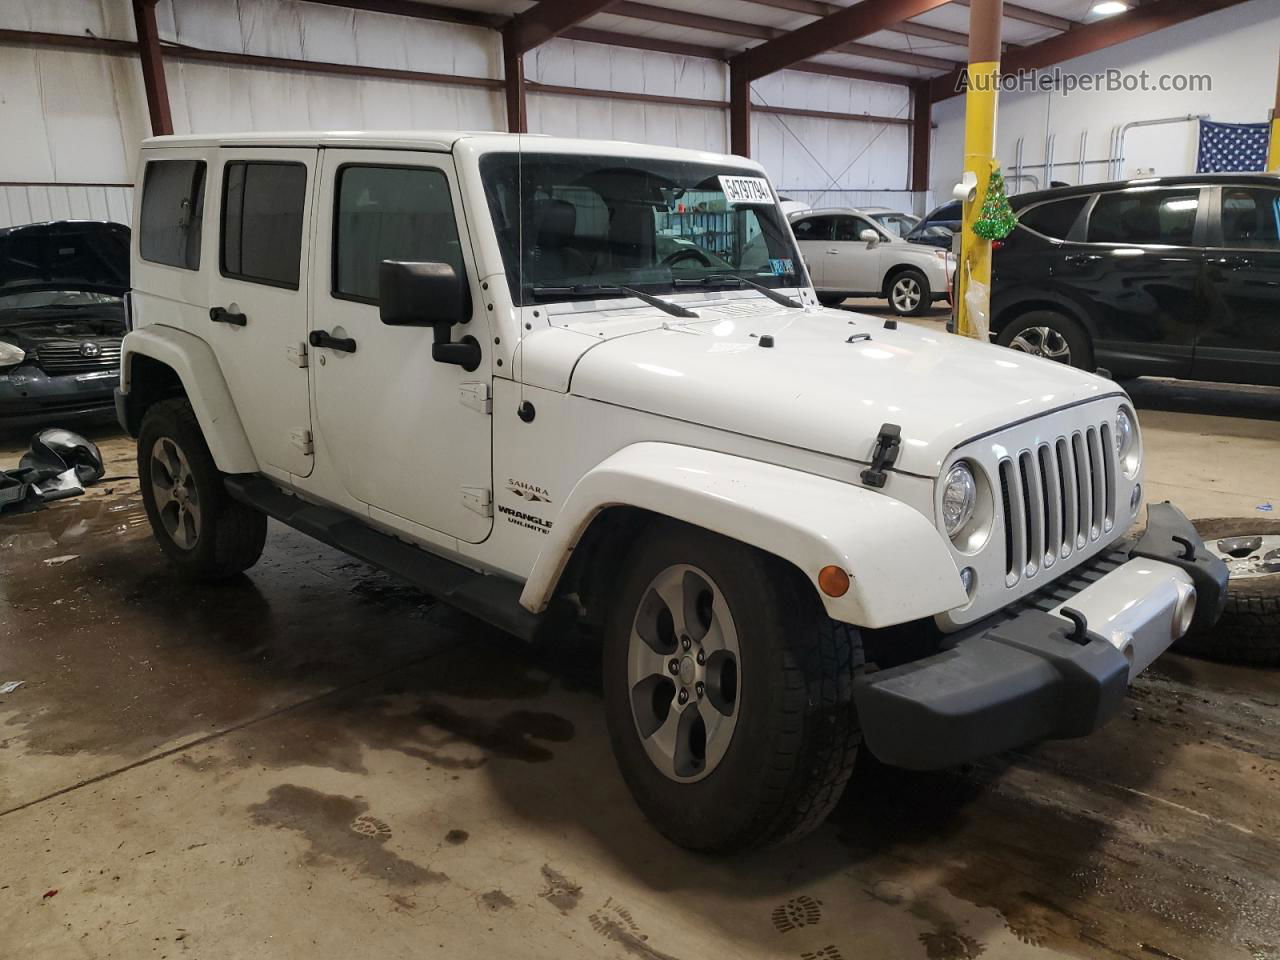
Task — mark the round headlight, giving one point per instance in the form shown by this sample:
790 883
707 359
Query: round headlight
1127 443
959 497
10 355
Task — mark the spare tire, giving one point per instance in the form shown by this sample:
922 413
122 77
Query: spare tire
1249 630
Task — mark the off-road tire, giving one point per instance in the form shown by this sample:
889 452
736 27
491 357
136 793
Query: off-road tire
1249 629
1073 333
926 292
797 733
231 534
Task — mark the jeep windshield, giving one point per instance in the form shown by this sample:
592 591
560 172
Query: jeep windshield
588 227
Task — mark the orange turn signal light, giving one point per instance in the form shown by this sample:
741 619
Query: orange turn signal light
833 581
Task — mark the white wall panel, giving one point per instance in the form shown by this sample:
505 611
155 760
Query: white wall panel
1236 47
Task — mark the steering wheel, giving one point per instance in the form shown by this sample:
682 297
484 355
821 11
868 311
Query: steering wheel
671 259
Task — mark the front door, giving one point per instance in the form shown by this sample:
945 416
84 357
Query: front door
1140 270
1240 338
404 434
258 298
853 265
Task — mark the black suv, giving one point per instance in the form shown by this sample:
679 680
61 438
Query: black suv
1168 276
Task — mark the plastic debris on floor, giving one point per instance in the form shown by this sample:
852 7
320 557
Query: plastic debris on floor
59 464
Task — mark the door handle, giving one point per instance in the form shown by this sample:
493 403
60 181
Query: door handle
1080 259
321 338
223 315
1234 263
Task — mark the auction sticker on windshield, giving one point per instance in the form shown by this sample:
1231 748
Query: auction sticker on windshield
746 189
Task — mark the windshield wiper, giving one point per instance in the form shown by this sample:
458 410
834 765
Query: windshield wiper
769 292
589 289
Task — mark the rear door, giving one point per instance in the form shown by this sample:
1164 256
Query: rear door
257 320
814 234
1139 270
1240 339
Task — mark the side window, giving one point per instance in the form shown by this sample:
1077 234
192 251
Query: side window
262 205
1055 218
850 228
390 213
1145 216
1251 218
814 228
172 213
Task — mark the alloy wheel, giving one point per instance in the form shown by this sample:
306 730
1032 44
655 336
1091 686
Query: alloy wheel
1248 557
906 294
682 673
174 488
1043 342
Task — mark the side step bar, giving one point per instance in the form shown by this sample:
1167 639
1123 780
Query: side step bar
493 599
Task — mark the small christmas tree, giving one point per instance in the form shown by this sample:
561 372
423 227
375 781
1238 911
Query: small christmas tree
998 219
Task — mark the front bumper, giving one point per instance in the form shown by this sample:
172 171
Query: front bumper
29 396
1053 671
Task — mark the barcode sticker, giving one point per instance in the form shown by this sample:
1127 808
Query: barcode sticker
746 189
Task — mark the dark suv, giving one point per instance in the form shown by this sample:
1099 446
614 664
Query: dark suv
1168 276
62 317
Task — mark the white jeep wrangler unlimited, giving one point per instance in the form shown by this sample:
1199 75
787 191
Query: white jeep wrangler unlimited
561 383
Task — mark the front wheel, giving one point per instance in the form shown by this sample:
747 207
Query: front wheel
728 692
1053 336
909 293
206 534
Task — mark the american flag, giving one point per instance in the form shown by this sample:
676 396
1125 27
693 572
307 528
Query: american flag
1232 147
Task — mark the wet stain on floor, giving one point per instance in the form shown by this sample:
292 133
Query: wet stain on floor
559 891
329 824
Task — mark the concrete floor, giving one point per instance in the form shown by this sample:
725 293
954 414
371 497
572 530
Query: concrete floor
315 761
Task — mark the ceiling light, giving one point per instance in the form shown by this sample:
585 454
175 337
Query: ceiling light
1109 8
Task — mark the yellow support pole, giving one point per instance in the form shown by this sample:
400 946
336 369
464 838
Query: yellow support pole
1273 154
981 99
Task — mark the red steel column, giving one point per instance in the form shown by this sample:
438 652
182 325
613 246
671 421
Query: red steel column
921 132
144 19
739 111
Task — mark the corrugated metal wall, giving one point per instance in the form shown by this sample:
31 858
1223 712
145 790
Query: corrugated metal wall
79 115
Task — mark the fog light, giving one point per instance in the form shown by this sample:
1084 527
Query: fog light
1135 498
968 580
1184 612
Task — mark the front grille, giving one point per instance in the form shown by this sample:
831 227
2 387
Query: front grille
69 356
1058 499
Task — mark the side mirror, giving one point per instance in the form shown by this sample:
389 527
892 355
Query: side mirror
869 236
429 295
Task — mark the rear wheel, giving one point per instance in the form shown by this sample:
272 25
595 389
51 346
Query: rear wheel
909 293
1053 336
200 528
728 692
1249 629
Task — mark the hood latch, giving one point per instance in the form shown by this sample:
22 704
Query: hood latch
885 454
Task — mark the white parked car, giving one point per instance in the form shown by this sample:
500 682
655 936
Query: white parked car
850 255
479 369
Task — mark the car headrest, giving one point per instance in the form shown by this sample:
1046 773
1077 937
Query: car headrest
555 222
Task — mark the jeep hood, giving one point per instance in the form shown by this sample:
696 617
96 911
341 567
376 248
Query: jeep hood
90 255
829 382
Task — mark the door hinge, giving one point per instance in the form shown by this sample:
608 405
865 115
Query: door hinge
301 440
297 353
475 394
478 500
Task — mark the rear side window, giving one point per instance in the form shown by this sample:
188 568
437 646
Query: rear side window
390 213
814 228
262 205
1145 216
172 213
1251 218
1055 218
